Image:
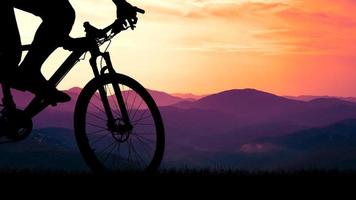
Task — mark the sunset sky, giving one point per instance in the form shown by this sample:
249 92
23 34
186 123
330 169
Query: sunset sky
287 47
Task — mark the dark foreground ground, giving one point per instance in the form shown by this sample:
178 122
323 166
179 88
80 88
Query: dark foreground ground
180 174
173 184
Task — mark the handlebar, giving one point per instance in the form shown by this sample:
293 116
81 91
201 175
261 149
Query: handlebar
95 33
139 10
115 27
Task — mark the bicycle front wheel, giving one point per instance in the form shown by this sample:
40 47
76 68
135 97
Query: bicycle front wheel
108 150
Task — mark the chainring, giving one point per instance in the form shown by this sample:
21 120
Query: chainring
15 125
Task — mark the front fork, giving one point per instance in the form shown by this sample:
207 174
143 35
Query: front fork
104 97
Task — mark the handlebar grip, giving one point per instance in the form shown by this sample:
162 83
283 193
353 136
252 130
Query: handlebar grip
139 10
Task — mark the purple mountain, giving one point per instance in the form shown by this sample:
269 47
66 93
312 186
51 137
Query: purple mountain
164 99
253 106
243 101
189 96
242 114
310 98
220 122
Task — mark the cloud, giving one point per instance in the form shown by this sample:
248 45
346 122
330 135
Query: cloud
323 31
200 9
290 27
235 11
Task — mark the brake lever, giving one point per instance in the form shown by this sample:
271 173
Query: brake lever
139 10
132 26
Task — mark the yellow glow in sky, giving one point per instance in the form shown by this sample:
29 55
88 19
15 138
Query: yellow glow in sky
288 47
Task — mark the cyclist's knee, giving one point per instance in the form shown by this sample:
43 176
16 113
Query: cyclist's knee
62 18
68 18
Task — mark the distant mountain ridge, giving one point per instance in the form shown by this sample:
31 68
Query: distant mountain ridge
189 96
227 128
229 110
251 105
310 98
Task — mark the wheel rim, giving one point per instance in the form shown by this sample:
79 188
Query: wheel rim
121 149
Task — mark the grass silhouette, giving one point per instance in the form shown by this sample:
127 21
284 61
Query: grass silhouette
181 173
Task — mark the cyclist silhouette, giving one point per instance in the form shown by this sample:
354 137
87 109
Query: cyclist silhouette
58 17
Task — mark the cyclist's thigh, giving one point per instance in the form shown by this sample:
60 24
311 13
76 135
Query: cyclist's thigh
9 34
60 13
43 8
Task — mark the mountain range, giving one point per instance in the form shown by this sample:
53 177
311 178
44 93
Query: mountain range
235 128
310 98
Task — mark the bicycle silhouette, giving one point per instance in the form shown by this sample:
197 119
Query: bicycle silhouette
117 123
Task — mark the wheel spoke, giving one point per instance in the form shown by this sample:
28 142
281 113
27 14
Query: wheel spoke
143 118
127 94
144 145
95 132
143 124
145 138
96 116
106 144
100 139
132 105
142 114
137 154
97 107
110 153
118 158
97 126
106 148
133 117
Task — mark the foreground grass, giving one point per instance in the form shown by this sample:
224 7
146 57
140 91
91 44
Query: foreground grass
179 181
185 173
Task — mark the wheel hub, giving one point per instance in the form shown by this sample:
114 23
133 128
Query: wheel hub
121 132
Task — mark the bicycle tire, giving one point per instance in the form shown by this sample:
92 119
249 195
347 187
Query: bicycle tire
80 117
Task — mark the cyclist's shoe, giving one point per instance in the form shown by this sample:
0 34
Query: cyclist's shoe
54 96
50 94
38 85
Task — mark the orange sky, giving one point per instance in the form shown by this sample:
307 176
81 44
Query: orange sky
288 47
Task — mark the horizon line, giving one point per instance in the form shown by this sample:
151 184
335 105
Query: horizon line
247 88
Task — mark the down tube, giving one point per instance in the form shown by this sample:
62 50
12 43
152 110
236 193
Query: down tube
64 69
37 105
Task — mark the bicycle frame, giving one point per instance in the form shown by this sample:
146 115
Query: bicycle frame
37 105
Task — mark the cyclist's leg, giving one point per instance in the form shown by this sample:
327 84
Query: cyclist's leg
58 18
10 46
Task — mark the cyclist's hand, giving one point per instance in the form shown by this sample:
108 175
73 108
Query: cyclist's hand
126 13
